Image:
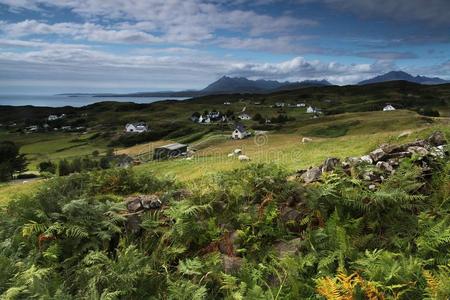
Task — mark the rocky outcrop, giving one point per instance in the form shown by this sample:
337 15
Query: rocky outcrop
385 159
136 205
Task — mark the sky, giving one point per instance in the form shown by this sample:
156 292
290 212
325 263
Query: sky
57 46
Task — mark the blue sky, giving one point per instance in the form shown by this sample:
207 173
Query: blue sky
53 46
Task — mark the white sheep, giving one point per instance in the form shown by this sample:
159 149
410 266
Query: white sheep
230 154
306 140
237 151
243 158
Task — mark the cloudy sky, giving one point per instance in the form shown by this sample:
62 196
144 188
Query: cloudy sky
52 46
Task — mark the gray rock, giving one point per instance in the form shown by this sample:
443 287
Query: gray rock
311 175
134 205
353 161
437 138
151 202
367 159
142 202
287 248
231 264
438 151
398 155
417 150
377 154
330 164
372 187
289 215
382 165
371 176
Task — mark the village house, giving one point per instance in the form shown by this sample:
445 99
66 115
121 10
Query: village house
139 127
240 133
311 110
388 108
227 103
55 117
204 119
244 116
301 104
279 104
170 150
32 128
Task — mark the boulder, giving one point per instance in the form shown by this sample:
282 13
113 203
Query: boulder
437 138
353 161
289 215
377 154
398 155
133 205
330 164
151 202
367 159
438 152
311 175
142 202
287 248
371 176
417 150
231 264
385 166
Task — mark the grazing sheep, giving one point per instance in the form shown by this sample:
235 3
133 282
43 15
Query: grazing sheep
243 158
237 151
230 154
306 140
189 158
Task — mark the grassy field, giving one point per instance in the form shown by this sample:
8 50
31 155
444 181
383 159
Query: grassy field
12 190
365 132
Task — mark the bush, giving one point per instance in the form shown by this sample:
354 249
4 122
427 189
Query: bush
47 166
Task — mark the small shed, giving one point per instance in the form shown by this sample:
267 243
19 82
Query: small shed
171 150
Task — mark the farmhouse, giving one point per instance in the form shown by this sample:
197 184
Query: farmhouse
301 104
310 110
136 127
279 104
240 133
244 116
171 150
227 103
388 108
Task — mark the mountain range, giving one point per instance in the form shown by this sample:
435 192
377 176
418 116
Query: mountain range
400 75
237 85
231 85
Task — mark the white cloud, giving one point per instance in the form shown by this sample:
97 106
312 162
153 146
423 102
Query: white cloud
301 69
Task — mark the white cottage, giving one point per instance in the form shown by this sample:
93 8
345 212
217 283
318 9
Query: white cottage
388 108
136 127
240 133
310 110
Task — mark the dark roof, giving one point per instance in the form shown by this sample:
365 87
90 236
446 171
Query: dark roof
240 127
174 146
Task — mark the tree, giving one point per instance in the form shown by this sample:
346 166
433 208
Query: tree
64 168
11 161
258 117
47 166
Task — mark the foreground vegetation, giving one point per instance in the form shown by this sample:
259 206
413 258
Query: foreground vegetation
231 236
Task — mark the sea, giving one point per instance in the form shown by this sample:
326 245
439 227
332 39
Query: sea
71 100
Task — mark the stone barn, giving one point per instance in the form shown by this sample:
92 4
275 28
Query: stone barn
171 150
